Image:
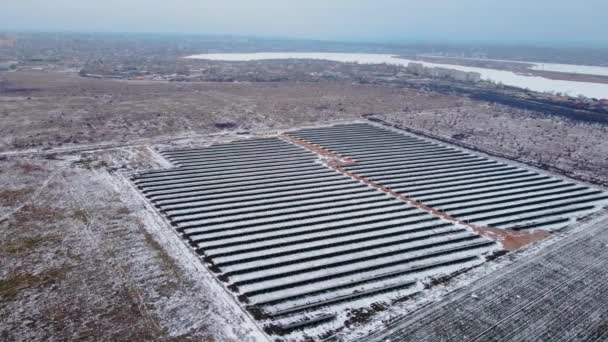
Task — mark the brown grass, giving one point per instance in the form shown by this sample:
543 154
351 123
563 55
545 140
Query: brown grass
31 213
123 211
27 244
90 164
16 282
167 262
27 167
13 197
80 215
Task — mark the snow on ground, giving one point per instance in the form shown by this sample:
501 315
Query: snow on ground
535 83
84 255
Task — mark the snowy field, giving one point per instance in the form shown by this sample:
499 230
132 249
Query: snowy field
535 83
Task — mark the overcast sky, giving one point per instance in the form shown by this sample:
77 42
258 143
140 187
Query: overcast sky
582 21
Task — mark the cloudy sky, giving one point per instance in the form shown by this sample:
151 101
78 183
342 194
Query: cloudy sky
581 21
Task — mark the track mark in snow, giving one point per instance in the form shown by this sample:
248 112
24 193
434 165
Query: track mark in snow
31 199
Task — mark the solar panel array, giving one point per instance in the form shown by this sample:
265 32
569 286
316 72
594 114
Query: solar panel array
298 241
291 236
466 186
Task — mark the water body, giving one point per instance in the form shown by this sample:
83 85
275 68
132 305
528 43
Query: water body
567 68
536 83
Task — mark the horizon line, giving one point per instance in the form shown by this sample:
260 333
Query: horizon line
592 44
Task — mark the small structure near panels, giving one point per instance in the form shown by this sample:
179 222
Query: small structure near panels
305 225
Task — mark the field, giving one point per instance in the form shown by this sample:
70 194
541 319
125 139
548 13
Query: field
82 259
56 110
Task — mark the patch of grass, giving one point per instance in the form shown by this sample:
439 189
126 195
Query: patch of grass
28 243
15 282
167 262
125 316
27 167
14 197
80 215
90 164
33 213
123 211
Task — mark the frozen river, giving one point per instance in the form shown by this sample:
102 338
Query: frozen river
535 83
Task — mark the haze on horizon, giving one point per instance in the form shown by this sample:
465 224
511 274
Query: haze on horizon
494 21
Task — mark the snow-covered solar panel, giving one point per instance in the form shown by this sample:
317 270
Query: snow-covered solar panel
295 239
473 184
